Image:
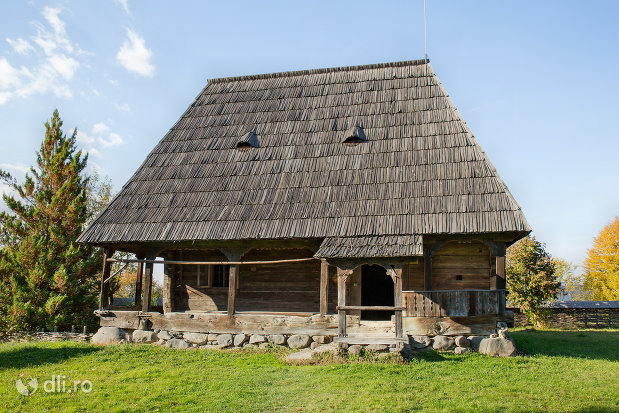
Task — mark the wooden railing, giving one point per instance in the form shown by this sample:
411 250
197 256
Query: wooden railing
453 303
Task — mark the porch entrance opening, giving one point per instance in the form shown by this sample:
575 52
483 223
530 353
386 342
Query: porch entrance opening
376 290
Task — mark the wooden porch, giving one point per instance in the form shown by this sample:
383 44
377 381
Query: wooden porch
328 293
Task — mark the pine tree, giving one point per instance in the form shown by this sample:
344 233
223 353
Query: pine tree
47 278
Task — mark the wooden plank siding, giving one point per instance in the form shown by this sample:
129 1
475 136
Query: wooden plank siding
458 303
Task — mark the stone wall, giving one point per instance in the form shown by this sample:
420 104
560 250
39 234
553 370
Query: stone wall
499 344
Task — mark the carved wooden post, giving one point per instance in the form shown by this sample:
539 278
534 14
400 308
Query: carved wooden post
342 276
147 285
169 282
234 271
105 285
138 281
324 287
396 275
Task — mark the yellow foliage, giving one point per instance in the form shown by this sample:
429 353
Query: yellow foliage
602 264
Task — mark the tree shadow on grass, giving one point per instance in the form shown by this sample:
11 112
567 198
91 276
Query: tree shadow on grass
591 344
433 356
21 356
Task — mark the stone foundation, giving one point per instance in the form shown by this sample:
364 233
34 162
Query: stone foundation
499 344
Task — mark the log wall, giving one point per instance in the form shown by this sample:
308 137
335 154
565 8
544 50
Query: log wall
284 287
461 266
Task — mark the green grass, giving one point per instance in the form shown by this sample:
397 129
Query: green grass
566 371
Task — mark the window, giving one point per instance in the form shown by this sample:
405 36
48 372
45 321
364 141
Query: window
248 141
213 276
354 136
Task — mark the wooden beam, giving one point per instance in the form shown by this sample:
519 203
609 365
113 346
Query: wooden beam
147 287
370 307
169 282
105 286
324 287
232 290
138 283
500 273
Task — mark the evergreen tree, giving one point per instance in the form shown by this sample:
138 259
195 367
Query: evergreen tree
47 278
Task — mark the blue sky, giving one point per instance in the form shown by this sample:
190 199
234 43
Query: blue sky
537 82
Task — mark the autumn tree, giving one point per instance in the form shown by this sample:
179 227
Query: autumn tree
602 264
531 278
572 281
47 278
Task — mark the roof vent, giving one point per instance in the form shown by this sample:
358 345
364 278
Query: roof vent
250 140
354 136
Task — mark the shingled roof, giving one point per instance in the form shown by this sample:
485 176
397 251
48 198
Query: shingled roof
417 169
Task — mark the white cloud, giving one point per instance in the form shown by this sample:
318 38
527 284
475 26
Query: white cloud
123 108
20 45
4 97
94 152
124 4
84 138
9 76
14 167
113 139
134 56
65 66
98 139
50 41
50 72
99 128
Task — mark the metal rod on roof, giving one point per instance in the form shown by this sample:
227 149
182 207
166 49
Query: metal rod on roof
425 29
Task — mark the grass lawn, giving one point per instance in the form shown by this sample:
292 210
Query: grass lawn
575 371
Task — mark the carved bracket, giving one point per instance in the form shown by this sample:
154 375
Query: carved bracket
233 254
496 247
344 273
430 248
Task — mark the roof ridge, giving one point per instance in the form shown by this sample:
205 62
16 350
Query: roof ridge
317 71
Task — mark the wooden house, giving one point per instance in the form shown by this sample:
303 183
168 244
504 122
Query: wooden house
350 201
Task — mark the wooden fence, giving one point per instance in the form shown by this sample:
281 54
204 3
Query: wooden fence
453 303
575 318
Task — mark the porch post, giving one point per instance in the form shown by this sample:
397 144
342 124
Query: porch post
500 273
147 285
138 281
234 271
105 286
342 276
397 279
168 287
324 287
